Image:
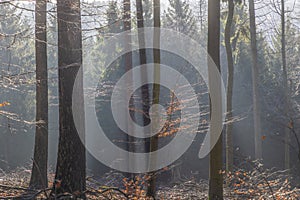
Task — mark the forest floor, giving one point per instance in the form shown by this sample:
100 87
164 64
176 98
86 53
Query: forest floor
238 185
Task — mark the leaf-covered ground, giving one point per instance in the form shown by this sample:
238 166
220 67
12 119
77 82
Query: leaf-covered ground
240 184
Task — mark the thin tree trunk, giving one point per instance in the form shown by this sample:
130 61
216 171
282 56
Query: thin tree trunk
156 89
40 159
127 27
255 81
229 142
141 35
128 67
286 88
143 61
71 160
200 13
216 161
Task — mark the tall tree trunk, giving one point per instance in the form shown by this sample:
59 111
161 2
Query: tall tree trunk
128 67
143 61
71 161
230 74
40 159
286 88
202 7
215 177
255 81
156 89
141 35
127 27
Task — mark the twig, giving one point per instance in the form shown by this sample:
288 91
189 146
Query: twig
16 188
115 189
95 192
39 192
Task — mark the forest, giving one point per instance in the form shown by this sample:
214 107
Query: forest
150 99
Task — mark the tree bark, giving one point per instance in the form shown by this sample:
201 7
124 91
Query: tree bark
230 74
39 178
156 89
141 35
71 161
286 88
143 61
127 27
215 162
255 81
128 67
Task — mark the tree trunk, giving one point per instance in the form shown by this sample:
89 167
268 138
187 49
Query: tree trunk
286 88
230 74
255 81
143 61
127 27
156 90
39 178
215 177
202 9
71 161
128 67
141 35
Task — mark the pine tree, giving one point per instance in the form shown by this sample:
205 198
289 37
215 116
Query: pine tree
147 13
15 40
179 17
114 20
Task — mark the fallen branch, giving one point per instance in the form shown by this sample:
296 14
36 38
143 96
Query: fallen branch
16 188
